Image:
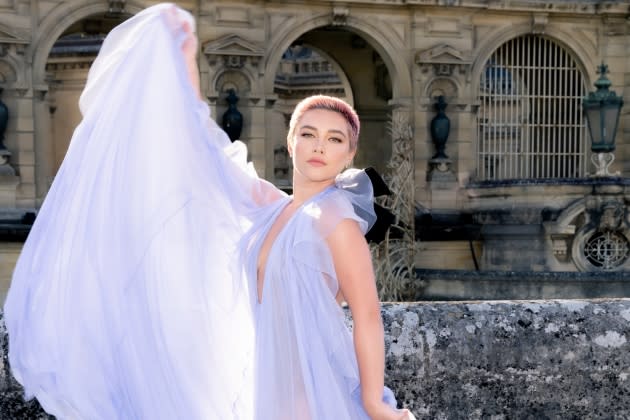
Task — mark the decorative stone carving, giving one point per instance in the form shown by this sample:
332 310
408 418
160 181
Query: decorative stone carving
234 52
233 80
340 16
560 240
441 87
235 62
9 36
116 7
596 230
539 23
13 65
601 250
444 60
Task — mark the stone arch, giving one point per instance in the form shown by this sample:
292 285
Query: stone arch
56 22
340 72
380 39
584 56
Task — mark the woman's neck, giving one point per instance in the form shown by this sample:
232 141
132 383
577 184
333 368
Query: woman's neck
303 190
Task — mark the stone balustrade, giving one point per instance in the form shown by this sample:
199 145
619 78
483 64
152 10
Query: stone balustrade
559 359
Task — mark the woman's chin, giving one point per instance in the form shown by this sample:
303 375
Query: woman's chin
319 175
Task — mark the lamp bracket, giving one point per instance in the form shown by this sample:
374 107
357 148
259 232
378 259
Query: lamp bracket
602 162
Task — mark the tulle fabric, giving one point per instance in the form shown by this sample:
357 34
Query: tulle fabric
135 294
117 309
305 364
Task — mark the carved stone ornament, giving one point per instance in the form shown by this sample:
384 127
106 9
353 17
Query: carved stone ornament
234 51
340 16
603 243
234 61
9 36
561 237
562 230
116 7
539 23
593 233
444 59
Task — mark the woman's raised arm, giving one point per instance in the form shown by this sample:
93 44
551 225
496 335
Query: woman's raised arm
260 191
189 50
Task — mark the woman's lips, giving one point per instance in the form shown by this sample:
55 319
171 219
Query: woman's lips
316 162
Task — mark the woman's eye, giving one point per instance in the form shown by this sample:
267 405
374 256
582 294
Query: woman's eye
308 135
336 140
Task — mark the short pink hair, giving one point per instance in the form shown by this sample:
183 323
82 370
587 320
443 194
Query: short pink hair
329 103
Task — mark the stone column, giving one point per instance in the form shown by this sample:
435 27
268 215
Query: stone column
43 147
20 140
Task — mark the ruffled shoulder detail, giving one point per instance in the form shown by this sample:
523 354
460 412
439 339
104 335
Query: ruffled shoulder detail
350 198
355 185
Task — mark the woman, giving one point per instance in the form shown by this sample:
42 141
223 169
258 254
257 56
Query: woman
164 280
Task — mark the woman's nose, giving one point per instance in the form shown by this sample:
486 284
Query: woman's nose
318 145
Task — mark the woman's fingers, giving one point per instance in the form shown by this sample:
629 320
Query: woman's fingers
171 19
408 415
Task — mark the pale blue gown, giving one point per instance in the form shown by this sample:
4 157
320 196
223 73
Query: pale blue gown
135 295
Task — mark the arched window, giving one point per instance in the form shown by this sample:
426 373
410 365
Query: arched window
530 123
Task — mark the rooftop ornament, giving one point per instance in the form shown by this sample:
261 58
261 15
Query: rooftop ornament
602 109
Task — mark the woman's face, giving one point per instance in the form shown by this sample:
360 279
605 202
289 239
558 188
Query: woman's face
321 145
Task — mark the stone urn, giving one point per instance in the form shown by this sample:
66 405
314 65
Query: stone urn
232 118
440 127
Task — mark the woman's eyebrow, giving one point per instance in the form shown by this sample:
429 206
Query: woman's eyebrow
332 130
337 131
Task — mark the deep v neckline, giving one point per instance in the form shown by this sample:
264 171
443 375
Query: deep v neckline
260 288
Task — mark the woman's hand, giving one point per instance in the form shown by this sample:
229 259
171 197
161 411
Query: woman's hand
189 50
383 411
190 44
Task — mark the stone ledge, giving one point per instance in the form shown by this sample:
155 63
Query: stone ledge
500 360
453 285
488 359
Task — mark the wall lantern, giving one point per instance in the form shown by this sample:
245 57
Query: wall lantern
602 109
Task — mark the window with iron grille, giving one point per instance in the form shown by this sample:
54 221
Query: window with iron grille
529 122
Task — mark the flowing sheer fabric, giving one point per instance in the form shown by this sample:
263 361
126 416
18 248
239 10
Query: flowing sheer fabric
135 294
305 364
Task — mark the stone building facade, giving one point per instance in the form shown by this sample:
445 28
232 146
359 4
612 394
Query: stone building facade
511 190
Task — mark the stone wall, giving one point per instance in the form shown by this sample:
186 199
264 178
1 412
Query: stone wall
488 360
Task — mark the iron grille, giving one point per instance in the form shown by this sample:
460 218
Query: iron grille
529 122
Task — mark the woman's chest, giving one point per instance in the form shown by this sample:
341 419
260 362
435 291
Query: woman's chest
269 237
